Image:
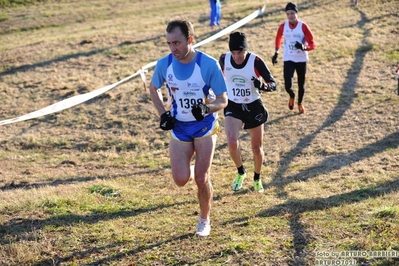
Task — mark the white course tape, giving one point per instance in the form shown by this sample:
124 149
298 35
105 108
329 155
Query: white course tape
232 27
67 103
78 99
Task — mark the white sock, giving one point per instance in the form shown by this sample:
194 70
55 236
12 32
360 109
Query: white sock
204 221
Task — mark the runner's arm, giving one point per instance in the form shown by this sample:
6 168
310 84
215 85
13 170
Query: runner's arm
279 37
262 70
308 37
156 99
219 103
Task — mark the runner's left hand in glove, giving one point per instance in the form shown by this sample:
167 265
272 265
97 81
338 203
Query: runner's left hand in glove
300 46
199 111
274 58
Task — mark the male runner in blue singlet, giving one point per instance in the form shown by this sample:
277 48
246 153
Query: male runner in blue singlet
196 92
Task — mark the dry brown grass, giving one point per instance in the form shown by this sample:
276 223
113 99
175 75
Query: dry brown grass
91 185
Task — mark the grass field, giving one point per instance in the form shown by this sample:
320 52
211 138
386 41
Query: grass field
91 185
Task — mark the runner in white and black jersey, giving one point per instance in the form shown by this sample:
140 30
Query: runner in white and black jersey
246 75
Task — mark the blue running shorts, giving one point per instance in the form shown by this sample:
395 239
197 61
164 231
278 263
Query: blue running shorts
188 131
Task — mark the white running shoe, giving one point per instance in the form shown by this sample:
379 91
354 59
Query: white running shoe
203 228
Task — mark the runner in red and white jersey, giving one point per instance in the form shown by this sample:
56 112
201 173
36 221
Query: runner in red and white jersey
298 40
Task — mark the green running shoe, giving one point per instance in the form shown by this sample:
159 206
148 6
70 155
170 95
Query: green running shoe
258 186
238 182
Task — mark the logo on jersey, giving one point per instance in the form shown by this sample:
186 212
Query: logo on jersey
238 80
170 78
192 85
189 94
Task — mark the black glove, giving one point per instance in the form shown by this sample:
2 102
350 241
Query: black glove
257 83
199 111
260 86
274 58
167 121
299 46
269 88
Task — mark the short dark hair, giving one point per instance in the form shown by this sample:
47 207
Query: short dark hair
291 6
185 26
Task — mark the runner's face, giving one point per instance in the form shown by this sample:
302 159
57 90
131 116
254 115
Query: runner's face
292 16
239 56
178 44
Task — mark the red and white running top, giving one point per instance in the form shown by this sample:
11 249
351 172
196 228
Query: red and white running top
292 33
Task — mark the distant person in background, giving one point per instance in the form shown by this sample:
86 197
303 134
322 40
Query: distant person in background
216 13
196 92
298 40
243 73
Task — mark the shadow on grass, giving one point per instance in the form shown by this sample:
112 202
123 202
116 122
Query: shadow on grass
64 58
29 185
295 207
21 228
116 255
336 162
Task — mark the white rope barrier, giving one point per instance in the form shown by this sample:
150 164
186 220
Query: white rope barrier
78 99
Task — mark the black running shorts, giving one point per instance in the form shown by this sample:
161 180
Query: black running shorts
252 114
